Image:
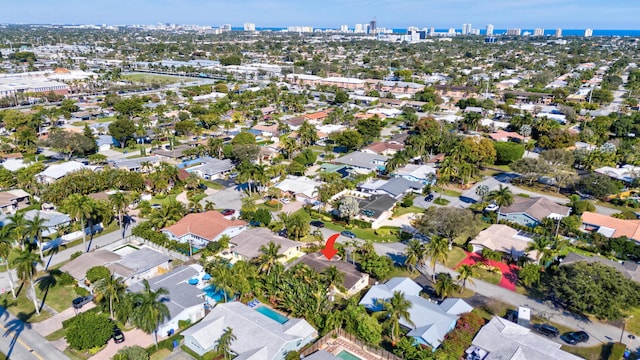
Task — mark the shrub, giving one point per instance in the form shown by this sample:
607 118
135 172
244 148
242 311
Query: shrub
134 352
65 279
508 152
184 324
407 202
75 255
81 291
87 330
469 248
405 236
97 273
441 201
361 223
617 351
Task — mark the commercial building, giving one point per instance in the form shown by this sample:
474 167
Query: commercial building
249 27
489 30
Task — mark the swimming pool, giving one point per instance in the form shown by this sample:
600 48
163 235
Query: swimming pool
345 355
214 293
274 315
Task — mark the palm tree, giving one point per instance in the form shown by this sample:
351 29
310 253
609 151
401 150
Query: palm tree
465 274
35 227
333 277
150 309
119 204
444 285
80 207
223 344
221 276
502 196
167 215
25 265
415 254
437 250
540 244
18 225
396 308
269 256
111 288
6 244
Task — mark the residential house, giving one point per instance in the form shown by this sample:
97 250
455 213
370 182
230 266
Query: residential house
501 339
201 228
362 162
78 267
395 187
143 263
354 280
531 211
376 208
57 171
174 156
52 219
626 173
425 174
299 187
630 269
104 142
185 301
257 336
383 148
505 239
141 165
429 322
13 200
502 135
212 169
246 246
611 227
399 87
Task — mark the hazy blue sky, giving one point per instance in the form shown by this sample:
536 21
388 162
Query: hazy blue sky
577 14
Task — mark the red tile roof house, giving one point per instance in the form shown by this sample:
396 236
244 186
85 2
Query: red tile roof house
502 135
383 148
202 228
611 227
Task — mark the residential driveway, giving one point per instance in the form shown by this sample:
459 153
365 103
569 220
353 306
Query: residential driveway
133 337
291 207
178 354
229 198
54 323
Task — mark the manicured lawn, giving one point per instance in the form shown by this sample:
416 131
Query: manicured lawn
165 200
105 120
162 354
58 297
588 353
369 234
152 78
488 276
633 324
402 272
212 184
407 210
441 201
22 307
447 192
455 256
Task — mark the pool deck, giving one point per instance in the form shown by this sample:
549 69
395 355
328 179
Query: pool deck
341 344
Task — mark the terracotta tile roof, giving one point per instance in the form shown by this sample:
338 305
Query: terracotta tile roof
316 115
628 228
501 134
207 225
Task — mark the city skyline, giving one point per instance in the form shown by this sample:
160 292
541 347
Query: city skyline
570 14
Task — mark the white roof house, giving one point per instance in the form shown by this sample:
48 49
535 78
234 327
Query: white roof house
421 173
58 171
258 337
431 321
626 173
501 339
300 186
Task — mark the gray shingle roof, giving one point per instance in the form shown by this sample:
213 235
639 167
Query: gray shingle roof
248 242
538 208
213 166
362 160
143 259
397 186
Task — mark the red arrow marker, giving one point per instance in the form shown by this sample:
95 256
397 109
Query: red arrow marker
329 250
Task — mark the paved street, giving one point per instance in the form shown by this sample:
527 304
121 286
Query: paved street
19 341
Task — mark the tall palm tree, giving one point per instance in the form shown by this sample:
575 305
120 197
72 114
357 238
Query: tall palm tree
79 207
149 309
25 265
438 251
111 288
167 215
540 244
223 344
269 256
444 285
465 274
6 244
396 308
119 204
221 276
18 225
333 277
35 227
503 196
415 254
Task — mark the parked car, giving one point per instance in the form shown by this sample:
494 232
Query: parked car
348 234
283 233
156 206
317 223
492 207
575 337
285 200
429 198
227 212
547 330
118 336
81 301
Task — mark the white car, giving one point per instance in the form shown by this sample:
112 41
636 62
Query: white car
284 200
492 207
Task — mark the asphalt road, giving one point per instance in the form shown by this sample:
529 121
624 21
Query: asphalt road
19 341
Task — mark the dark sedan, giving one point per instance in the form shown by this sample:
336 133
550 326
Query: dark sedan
575 337
317 223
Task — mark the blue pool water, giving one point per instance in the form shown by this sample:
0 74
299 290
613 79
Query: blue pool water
345 355
214 293
272 314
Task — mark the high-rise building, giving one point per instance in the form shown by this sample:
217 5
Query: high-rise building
489 30
514 32
588 33
344 28
372 26
558 32
358 29
225 27
538 32
466 29
249 27
432 31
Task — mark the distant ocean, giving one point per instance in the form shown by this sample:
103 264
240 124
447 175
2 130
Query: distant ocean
547 32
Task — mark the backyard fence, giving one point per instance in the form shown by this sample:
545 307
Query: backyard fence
331 336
